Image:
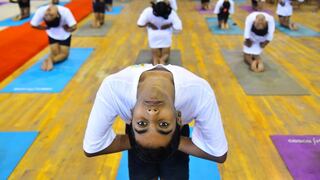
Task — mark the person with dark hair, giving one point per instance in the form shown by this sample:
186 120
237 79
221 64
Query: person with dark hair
223 9
205 5
257 5
259 29
157 103
24 6
56 2
160 21
284 11
99 7
59 23
109 5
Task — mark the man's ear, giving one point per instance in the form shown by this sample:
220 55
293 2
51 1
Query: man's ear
178 117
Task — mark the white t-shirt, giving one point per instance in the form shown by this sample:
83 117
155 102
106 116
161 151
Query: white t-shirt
57 33
173 4
193 97
219 5
285 10
248 34
159 38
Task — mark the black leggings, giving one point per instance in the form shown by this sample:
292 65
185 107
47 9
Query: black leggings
24 3
223 17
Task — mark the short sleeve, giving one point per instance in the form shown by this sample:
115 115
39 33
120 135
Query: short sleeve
208 133
69 18
99 133
143 19
176 22
38 17
248 25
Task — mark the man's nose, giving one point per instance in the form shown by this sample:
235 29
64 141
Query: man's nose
152 110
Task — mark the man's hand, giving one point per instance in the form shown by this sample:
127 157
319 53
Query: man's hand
69 29
166 26
152 26
264 44
248 43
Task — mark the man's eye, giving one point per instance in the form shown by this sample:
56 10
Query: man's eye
164 124
142 124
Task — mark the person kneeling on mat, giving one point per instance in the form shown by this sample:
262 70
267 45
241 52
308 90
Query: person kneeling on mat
223 8
24 6
160 21
59 23
99 7
259 29
156 103
284 11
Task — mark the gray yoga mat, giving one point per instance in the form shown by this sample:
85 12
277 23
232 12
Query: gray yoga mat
87 31
145 57
273 81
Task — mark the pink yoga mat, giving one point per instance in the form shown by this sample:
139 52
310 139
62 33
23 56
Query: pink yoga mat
301 155
198 8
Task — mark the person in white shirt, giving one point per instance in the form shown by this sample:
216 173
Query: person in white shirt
259 29
173 4
59 23
156 103
160 21
284 11
223 9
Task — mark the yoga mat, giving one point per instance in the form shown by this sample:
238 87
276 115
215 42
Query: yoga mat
13 146
122 1
249 9
145 57
87 30
198 168
19 38
301 32
115 10
301 154
3 3
10 22
273 81
233 28
34 80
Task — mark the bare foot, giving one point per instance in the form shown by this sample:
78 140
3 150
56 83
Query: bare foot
226 26
44 65
93 25
293 27
19 18
49 65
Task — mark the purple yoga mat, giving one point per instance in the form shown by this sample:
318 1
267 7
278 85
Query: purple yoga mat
210 11
249 9
301 155
3 3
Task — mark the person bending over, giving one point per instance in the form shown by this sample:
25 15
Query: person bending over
284 11
58 23
223 9
156 103
160 21
259 29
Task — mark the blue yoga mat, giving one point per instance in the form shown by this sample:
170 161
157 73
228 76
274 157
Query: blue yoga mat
213 26
301 32
34 80
10 22
115 10
198 168
13 146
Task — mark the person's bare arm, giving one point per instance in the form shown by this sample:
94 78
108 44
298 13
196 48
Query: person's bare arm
120 143
40 27
187 146
149 24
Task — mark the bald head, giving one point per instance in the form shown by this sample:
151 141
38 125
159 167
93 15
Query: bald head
51 13
260 22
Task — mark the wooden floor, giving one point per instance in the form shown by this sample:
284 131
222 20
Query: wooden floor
248 120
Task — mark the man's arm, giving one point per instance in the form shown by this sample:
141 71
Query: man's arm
187 146
40 27
69 29
120 143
